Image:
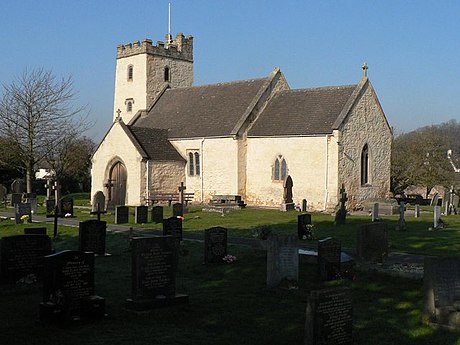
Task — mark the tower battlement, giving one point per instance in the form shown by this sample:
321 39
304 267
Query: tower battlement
180 48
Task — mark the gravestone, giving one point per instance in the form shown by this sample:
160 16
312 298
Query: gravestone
157 214
372 242
288 204
441 285
22 209
375 212
153 274
341 214
3 193
282 261
98 199
304 205
329 317
215 244
303 229
173 227
68 288
33 204
141 214
329 253
121 214
18 186
178 210
417 211
437 223
35 231
91 235
50 205
401 226
66 206
22 255
16 198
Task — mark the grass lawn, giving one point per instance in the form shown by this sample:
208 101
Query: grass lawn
229 304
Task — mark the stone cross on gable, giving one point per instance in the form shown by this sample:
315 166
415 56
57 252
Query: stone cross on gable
365 68
118 113
181 188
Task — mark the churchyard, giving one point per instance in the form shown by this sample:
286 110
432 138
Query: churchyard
234 302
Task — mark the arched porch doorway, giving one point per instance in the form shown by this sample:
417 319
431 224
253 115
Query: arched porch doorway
117 182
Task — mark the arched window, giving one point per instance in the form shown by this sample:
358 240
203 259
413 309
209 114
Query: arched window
167 75
130 72
129 106
365 165
191 165
280 169
194 168
197 163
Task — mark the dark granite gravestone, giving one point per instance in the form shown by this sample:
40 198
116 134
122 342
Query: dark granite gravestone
66 206
441 285
375 212
372 242
68 288
304 205
16 198
98 199
153 274
121 214
282 261
35 231
157 214
22 209
215 244
91 234
329 318
50 205
303 231
178 210
329 253
141 214
33 204
288 204
22 255
173 226
18 186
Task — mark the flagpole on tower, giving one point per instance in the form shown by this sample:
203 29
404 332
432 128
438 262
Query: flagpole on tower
169 36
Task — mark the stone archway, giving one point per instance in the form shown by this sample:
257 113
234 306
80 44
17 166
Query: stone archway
117 179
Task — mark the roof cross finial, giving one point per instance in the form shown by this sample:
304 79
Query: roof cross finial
365 68
118 113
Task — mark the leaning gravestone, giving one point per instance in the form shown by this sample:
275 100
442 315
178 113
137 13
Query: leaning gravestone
282 261
141 214
35 231
441 285
91 234
153 274
157 214
22 209
215 244
329 254
173 227
22 255
121 214
66 206
98 199
372 242
303 222
329 318
68 288
178 210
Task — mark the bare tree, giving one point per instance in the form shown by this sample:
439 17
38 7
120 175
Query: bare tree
37 113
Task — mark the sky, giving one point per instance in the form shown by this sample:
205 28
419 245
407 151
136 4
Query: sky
411 47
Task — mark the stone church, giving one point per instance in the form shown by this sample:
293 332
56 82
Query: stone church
240 137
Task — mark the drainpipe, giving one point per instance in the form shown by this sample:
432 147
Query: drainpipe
202 170
147 190
326 174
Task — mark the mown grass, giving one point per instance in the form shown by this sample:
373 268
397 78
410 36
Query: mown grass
229 304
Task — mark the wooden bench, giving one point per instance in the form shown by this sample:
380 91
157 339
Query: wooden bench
170 197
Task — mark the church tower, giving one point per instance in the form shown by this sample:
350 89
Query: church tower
142 70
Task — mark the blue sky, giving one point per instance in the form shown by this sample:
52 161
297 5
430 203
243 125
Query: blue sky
411 47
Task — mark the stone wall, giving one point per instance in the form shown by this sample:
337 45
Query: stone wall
365 124
165 177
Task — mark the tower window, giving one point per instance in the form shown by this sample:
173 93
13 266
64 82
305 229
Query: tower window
365 165
167 73
130 72
280 169
129 106
194 168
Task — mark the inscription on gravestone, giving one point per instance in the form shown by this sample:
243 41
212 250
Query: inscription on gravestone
22 255
215 244
282 260
121 214
372 242
173 226
141 214
23 209
68 287
66 206
329 253
329 318
92 235
157 214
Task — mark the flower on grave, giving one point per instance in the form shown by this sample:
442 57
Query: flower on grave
67 215
25 218
229 258
27 280
181 218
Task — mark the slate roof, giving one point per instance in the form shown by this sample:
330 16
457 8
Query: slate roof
155 143
202 111
302 111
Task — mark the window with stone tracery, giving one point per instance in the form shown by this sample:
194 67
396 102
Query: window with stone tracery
365 165
194 166
280 169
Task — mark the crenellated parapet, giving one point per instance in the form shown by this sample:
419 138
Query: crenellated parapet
180 48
